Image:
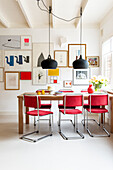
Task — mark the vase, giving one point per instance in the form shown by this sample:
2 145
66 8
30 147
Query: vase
90 89
98 87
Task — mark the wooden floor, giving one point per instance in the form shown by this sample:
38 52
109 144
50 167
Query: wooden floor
53 153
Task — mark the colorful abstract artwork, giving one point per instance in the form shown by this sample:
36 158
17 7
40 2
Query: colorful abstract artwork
25 76
26 42
93 61
17 60
67 83
12 81
39 76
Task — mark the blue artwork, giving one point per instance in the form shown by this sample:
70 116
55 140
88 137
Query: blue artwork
17 60
26 59
11 62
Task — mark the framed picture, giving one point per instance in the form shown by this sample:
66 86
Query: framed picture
39 76
80 76
1 58
18 60
40 52
93 61
61 57
12 80
67 83
26 42
1 74
9 42
74 52
53 79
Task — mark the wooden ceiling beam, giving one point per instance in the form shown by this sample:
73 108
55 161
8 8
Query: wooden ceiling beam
83 5
4 22
24 13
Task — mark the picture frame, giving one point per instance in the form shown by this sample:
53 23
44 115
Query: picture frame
12 80
67 83
17 60
93 61
80 77
61 56
10 42
74 52
26 42
53 80
1 74
40 52
39 76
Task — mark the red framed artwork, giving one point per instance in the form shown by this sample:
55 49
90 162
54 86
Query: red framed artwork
25 76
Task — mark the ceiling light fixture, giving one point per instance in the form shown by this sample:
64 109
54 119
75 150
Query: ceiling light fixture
49 63
80 63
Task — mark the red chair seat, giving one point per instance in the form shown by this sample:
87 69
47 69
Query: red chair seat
61 106
98 110
71 111
41 113
45 106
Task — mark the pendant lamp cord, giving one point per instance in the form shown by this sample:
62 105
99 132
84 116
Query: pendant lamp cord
49 31
80 32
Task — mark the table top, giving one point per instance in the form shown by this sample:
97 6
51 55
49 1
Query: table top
57 96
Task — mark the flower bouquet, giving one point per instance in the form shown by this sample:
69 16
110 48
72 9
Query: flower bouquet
98 82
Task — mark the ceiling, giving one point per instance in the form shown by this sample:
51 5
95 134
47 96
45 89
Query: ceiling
26 13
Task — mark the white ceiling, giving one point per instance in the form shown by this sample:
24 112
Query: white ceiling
26 13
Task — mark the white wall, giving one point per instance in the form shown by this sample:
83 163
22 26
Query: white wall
8 99
106 30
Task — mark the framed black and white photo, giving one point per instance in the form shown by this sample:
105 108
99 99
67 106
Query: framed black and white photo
80 76
61 57
74 52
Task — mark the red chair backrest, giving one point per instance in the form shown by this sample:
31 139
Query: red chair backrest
98 100
72 100
31 101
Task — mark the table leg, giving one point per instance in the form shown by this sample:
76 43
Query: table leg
27 116
20 115
112 115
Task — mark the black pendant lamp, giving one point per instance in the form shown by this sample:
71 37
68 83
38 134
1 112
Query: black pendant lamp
49 63
80 63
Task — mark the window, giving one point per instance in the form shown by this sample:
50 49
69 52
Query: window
107 59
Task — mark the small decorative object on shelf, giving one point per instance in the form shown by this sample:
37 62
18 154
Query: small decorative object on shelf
98 82
90 89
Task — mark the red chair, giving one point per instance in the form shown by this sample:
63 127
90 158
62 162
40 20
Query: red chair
34 101
98 101
60 105
44 106
71 100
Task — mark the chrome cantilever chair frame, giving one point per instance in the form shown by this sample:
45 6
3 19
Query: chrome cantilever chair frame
37 131
75 124
105 130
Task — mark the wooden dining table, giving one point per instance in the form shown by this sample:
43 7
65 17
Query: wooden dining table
50 98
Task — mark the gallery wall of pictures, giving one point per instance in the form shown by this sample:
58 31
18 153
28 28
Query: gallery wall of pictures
20 60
